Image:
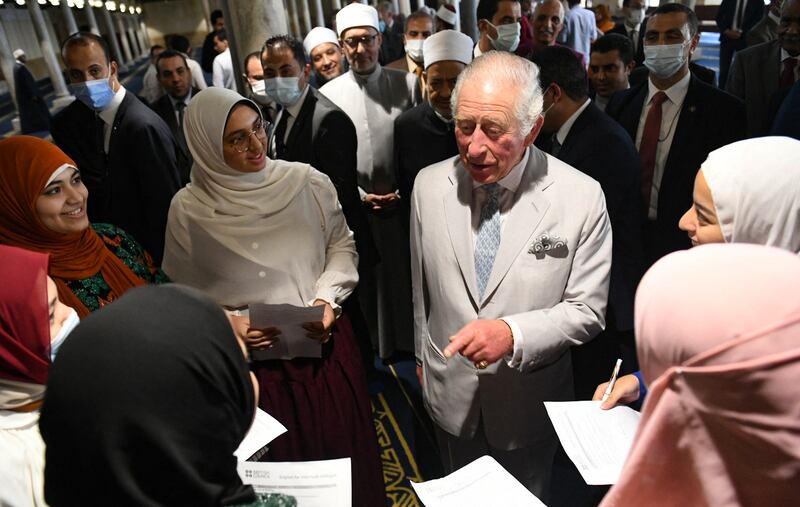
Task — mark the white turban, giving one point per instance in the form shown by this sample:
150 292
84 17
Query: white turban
317 36
18 53
355 15
447 45
446 15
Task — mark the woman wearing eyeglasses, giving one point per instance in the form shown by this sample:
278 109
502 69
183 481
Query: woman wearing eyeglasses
248 229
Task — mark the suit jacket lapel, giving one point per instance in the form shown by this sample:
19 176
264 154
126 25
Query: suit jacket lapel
685 127
631 115
457 201
770 78
529 207
303 115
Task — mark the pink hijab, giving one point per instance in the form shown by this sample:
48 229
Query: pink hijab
718 330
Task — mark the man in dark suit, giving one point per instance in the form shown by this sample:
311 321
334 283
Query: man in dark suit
34 116
176 79
761 72
766 29
632 26
584 137
209 51
125 152
311 129
675 120
734 20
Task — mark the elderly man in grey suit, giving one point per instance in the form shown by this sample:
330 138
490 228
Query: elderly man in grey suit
511 250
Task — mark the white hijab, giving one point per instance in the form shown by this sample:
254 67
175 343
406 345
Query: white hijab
221 206
755 185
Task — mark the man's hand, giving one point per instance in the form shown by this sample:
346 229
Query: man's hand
321 330
482 340
626 390
253 338
733 34
379 202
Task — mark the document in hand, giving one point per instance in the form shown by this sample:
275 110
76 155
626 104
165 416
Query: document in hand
293 340
264 430
596 440
312 483
482 483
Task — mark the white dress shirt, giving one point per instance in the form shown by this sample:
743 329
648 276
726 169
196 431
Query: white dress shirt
151 88
509 183
562 133
670 111
198 79
223 71
108 114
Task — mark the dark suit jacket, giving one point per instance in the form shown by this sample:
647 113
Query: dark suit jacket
755 78
163 108
420 139
323 135
133 185
709 119
753 10
598 146
638 56
33 112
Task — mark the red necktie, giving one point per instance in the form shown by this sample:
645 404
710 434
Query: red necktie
787 76
649 144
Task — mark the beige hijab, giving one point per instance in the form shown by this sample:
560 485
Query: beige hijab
718 330
222 207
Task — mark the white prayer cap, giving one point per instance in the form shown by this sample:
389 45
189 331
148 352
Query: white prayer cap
355 15
17 53
447 15
447 45
317 36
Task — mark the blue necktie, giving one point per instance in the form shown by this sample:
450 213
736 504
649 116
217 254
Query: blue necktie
488 240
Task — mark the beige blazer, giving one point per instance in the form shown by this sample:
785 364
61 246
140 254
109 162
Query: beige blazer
558 298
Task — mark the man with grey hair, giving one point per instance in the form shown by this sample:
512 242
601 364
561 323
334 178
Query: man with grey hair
510 268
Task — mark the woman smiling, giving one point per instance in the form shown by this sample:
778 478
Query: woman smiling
43 208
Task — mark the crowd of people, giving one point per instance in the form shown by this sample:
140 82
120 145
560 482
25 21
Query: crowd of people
514 212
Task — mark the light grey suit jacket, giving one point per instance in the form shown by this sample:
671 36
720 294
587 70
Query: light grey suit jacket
558 298
754 77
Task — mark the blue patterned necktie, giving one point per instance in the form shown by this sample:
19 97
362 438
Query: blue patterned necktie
488 240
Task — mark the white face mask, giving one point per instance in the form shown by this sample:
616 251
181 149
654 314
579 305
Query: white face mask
414 49
69 324
507 37
284 90
635 17
665 60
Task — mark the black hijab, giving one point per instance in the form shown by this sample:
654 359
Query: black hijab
146 404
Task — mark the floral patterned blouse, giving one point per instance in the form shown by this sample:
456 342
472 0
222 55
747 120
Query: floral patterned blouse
271 500
94 292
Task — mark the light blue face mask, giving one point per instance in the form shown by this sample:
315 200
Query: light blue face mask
382 26
664 60
96 94
283 90
66 328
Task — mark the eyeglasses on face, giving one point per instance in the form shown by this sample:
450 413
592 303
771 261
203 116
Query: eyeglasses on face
241 143
366 40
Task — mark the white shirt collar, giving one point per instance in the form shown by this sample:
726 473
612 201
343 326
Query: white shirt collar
562 133
294 109
785 55
511 180
675 93
477 51
185 100
108 114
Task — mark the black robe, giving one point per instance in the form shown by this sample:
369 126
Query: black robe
34 116
421 138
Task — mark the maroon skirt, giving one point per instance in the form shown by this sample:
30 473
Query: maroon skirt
325 407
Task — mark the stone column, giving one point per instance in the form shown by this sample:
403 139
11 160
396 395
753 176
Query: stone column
319 13
248 25
404 7
69 18
293 17
336 4
63 97
7 64
130 27
306 13
112 38
469 19
126 48
91 19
